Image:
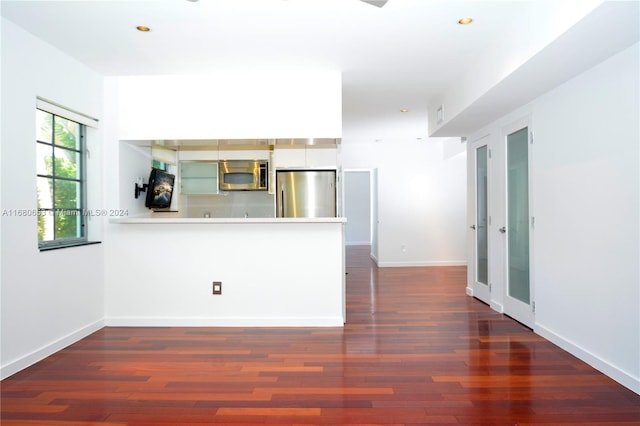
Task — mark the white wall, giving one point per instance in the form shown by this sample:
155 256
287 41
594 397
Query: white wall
49 299
231 104
224 105
586 191
272 274
421 199
585 197
235 104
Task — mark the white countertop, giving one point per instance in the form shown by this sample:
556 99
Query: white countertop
226 220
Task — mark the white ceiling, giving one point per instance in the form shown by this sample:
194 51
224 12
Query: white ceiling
393 57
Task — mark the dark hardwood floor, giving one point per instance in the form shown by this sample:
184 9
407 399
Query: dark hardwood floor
415 350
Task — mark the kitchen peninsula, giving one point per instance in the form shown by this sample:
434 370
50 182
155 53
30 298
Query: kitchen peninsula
160 267
274 272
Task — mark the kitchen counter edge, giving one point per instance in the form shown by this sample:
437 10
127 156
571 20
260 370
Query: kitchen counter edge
230 220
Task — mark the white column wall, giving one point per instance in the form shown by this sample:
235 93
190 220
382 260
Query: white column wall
49 299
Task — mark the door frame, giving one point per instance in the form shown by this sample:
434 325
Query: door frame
373 207
518 310
474 288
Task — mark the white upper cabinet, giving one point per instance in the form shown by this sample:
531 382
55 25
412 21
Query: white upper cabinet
244 154
321 156
289 157
199 155
307 157
198 177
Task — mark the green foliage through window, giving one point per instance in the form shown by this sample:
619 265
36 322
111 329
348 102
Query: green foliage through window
60 183
157 164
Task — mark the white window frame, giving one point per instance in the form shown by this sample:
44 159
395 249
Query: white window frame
84 121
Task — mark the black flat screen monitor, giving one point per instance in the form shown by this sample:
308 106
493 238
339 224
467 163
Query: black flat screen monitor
160 189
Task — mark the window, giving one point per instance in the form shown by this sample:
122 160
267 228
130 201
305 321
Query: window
61 182
162 158
159 165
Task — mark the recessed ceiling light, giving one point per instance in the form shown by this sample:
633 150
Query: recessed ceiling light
404 110
143 28
465 21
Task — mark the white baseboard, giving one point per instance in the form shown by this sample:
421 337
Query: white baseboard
423 263
38 355
613 372
492 304
496 307
224 322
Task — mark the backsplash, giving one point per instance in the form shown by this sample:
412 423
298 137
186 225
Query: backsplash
229 204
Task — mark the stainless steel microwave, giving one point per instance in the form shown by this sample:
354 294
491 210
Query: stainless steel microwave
243 175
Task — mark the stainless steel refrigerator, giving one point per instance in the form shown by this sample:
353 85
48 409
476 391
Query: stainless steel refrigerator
306 193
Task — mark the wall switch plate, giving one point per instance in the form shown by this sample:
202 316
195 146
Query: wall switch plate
217 287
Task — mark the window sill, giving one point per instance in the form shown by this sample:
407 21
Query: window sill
74 244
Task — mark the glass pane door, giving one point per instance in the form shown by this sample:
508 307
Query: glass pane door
518 215
482 242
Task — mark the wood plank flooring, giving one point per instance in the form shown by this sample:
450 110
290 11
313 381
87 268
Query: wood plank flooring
415 350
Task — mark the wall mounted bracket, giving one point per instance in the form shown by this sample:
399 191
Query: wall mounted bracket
140 188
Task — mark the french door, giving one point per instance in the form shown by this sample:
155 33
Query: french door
480 227
518 297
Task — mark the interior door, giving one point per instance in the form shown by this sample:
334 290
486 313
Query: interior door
518 300
357 206
375 221
480 227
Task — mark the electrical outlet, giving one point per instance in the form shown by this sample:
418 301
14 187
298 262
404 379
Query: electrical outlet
217 287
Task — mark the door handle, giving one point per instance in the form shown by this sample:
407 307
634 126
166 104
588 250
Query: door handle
282 201
473 227
503 229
